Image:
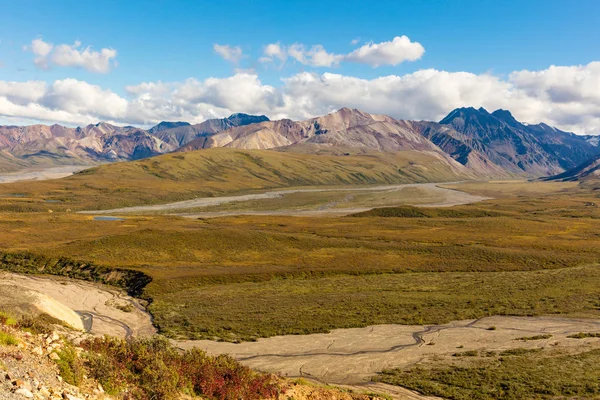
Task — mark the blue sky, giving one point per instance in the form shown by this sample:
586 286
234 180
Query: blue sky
173 41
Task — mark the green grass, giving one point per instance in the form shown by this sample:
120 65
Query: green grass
526 375
248 310
214 172
6 339
7 319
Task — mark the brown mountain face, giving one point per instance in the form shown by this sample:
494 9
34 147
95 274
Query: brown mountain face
459 146
345 128
42 145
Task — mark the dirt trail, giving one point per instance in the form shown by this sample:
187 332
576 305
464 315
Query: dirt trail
449 197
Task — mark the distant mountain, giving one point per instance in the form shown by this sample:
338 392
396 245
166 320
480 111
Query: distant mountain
165 125
344 129
588 170
56 144
488 144
459 146
181 135
535 150
43 145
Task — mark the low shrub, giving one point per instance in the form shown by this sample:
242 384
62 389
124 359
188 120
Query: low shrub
153 369
41 324
470 353
6 319
71 366
583 335
537 337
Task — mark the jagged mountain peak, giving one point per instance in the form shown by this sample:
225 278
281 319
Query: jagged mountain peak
518 148
507 117
245 119
164 125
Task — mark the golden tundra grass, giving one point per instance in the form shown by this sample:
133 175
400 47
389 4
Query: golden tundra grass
214 172
239 278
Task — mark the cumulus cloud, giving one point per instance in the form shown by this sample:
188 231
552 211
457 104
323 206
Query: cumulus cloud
275 50
229 53
65 55
398 50
67 101
532 96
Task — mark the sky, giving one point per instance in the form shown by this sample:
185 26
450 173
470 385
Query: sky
141 62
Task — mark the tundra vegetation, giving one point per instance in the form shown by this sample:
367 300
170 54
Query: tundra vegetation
532 250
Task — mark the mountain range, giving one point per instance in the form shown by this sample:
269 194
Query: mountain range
489 144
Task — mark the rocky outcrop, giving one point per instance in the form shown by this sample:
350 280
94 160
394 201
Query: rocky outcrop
30 369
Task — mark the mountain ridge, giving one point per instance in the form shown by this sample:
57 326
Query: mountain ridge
535 150
48 145
492 144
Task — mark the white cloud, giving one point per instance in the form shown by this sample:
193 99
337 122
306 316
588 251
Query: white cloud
229 53
400 49
22 92
67 101
275 50
532 96
315 56
65 55
195 101
354 42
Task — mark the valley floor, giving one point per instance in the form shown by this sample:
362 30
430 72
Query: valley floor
501 285
344 356
41 174
310 202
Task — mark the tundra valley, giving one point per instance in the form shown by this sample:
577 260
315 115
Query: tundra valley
257 245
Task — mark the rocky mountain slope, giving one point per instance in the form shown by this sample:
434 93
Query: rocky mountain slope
492 144
185 133
23 146
536 150
594 140
345 128
586 171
